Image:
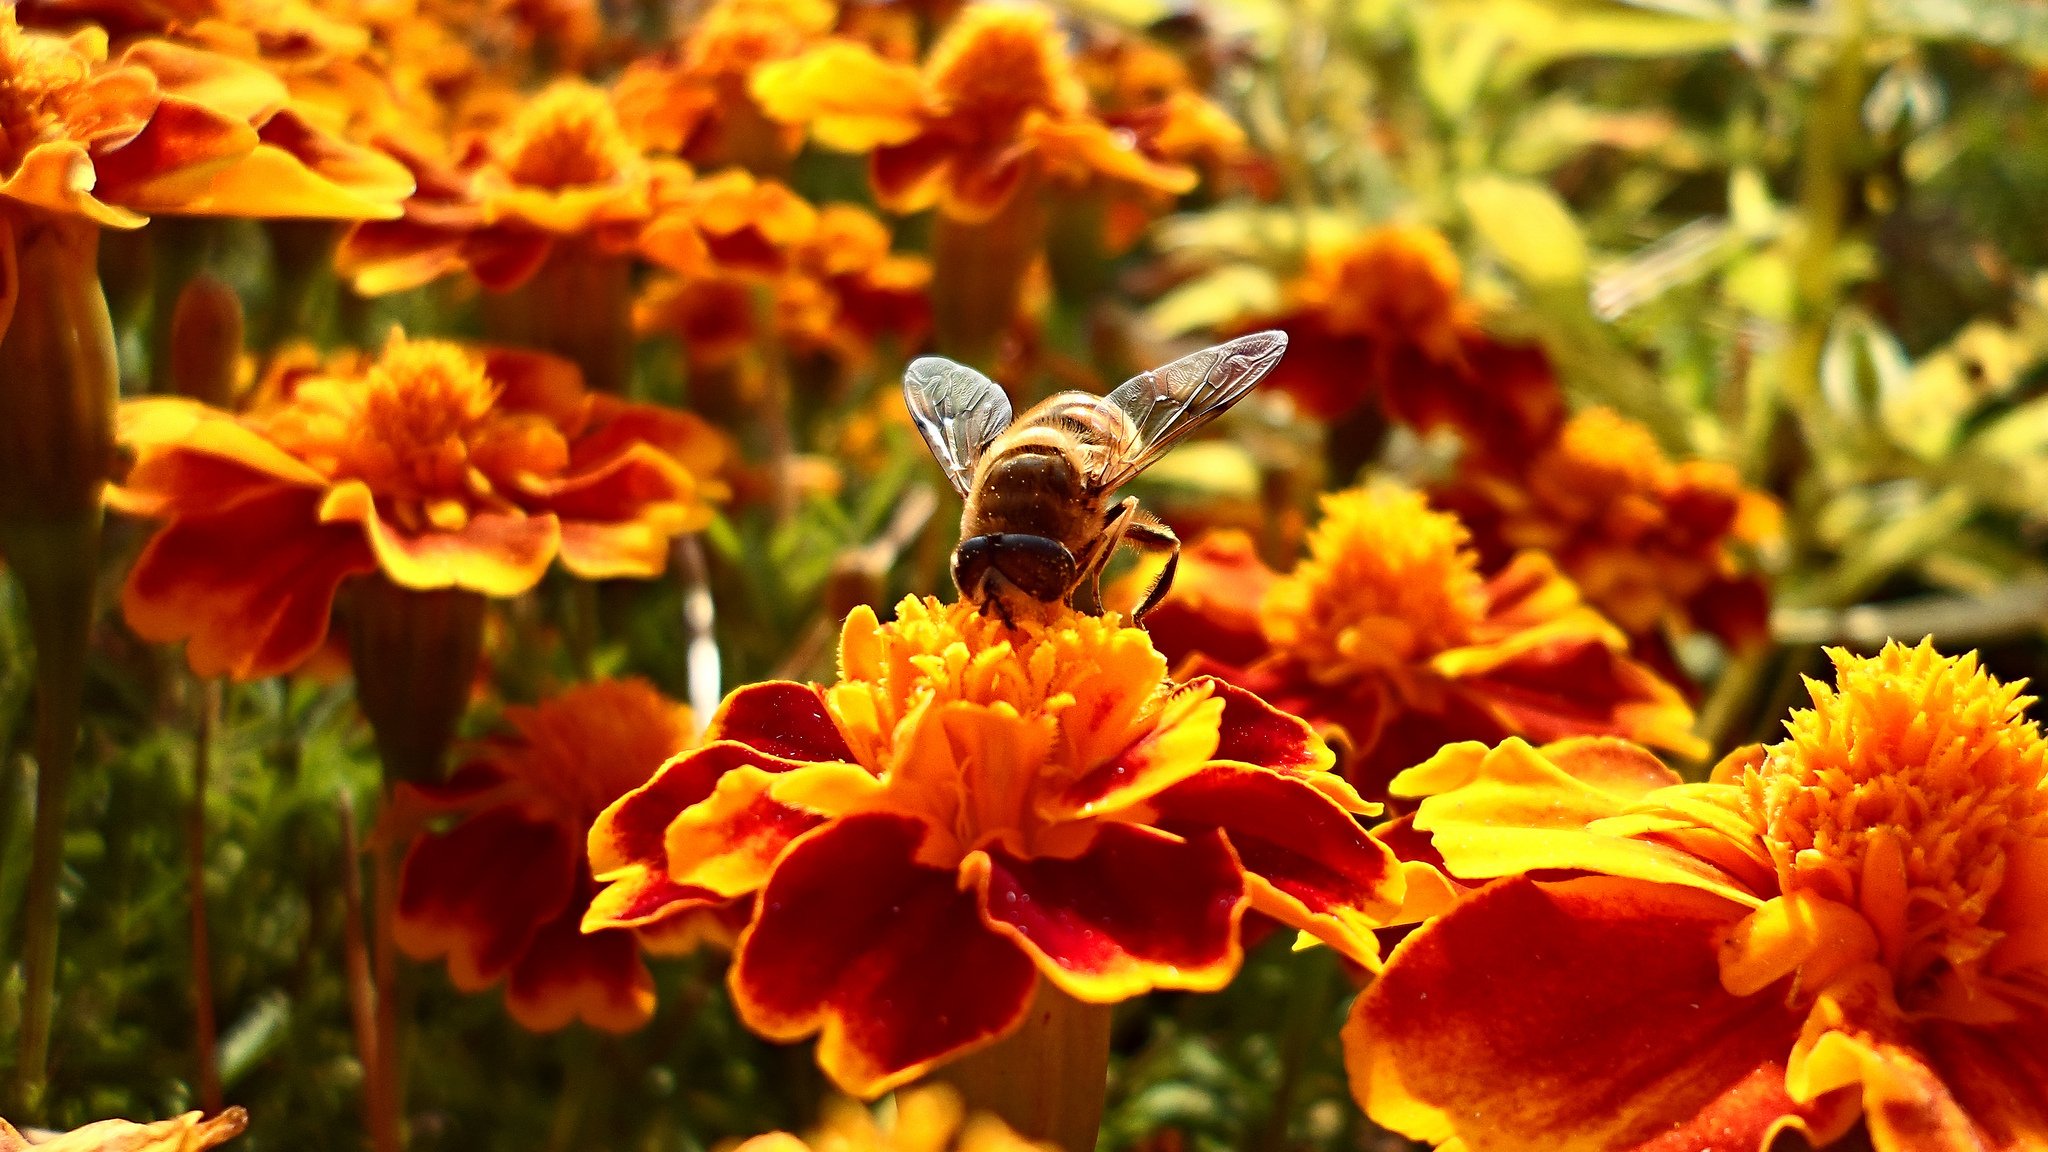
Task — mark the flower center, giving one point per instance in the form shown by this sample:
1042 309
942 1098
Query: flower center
424 395
997 63
1388 582
1020 712
568 137
1904 790
1601 455
1398 284
43 81
594 743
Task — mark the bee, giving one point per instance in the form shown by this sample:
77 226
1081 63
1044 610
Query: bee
1039 522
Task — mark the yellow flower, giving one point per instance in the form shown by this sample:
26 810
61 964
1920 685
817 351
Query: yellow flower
1852 921
927 1119
187 1133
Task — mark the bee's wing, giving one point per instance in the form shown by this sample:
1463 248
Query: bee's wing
958 410
1165 404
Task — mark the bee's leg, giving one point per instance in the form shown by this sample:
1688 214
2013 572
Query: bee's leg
1124 514
1150 533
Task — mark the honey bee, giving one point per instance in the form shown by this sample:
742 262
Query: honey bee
1039 522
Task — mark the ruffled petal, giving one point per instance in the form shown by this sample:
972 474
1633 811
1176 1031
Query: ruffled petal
1138 910
782 718
496 553
1309 864
1999 1076
851 932
478 893
1582 1016
852 99
567 975
1213 606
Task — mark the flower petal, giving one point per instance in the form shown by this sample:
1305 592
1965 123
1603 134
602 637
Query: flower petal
478 893
566 975
496 553
1308 862
1599 1023
1138 910
1999 1076
782 718
728 841
888 959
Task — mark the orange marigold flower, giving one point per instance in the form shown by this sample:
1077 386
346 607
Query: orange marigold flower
695 102
1382 319
441 466
1661 548
1142 88
165 129
192 1132
971 807
929 1118
501 893
1851 921
1389 639
996 103
562 170
841 293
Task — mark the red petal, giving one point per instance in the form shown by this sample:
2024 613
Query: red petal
1255 732
1314 867
1588 1013
1999 1076
888 958
566 975
1138 910
781 718
478 893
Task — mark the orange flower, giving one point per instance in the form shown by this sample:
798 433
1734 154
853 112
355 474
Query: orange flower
970 808
841 293
439 466
1852 920
1145 90
166 129
1389 639
1381 318
561 171
695 103
930 1118
996 104
1658 547
502 892
187 1133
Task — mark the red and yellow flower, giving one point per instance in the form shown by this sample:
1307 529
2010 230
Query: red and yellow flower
929 1118
1850 922
996 105
1389 639
562 170
1662 548
1382 318
440 466
1142 88
501 893
696 104
971 808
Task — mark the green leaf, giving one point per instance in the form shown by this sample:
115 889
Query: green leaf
1216 299
1529 228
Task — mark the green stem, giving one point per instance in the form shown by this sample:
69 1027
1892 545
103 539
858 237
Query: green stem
1833 140
1308 1011
1045 1080
205 1036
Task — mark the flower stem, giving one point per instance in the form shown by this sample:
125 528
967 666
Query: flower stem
362 995
1045 1079
578 306
58 380
978 273
204 1035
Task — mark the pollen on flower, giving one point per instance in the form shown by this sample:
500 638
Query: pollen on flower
424 392
998 62
41 84
1388 581
569 136
1904 789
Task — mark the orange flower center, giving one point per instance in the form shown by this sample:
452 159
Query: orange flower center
1904 791
592 744
997 63
43 92
1388 582
973 722
1602 454
1397 284
568 137
423 397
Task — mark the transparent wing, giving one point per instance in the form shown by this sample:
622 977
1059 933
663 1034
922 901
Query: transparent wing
1166 404
958 410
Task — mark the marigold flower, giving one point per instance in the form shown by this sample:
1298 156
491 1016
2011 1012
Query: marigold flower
930 1118
1382 319
1389 639
1660 547
562 170
971 807
695 102
1143 89
996 103
192 1132
439 466
1850 920
502 892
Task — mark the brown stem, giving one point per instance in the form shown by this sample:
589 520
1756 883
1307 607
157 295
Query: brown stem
204 1035
362 995
390 1094
1045 1079
978 273
578 306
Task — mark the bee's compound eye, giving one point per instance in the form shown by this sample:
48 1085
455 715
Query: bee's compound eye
1038 566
